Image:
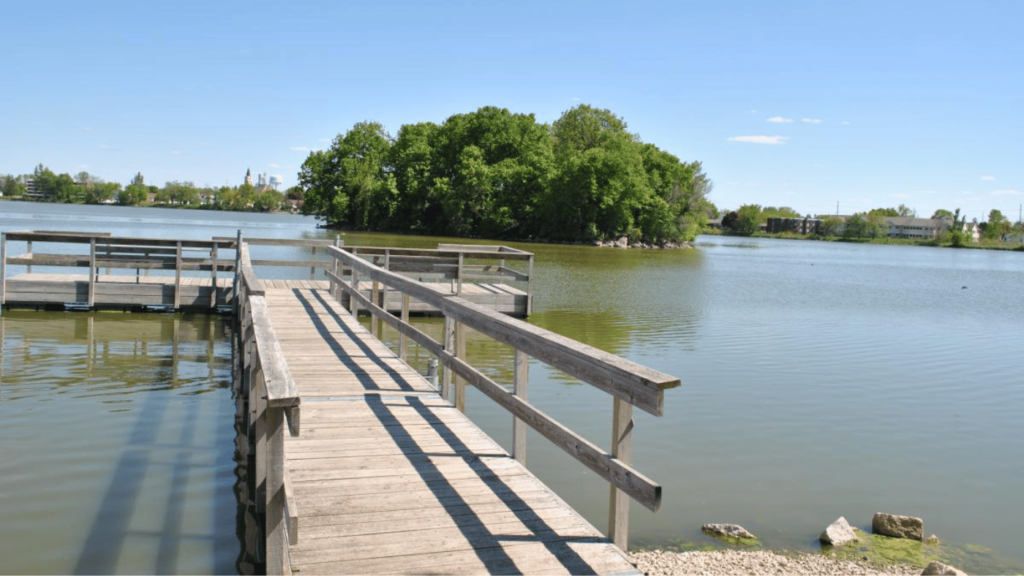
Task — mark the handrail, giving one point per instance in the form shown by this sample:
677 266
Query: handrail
629 383
273 399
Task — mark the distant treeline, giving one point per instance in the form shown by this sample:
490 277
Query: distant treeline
495 174
43 185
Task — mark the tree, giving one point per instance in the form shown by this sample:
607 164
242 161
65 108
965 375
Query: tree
942 214
866 225
352 182
133 194
996 227
831 226
137 180
748 220
101 192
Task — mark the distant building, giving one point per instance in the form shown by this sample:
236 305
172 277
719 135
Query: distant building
795 225
248 176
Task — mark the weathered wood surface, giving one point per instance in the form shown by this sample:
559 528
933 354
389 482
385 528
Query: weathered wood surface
391 479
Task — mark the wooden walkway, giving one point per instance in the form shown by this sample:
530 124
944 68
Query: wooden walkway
389 478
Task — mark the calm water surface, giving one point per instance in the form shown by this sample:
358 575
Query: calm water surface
819 380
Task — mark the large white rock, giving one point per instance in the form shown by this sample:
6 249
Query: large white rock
727 531
838 533
897 526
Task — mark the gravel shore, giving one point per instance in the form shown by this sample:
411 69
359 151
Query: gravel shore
719 563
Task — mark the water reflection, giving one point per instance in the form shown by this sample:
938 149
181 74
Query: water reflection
117 455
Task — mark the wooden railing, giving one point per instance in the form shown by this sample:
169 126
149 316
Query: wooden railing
108 252
272 399
629 384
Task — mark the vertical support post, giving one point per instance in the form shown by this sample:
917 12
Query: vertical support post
238 273
28 249
353 306
92 272
374 297
213 276
336 290
312 269
458 292
3 268
520 387
405 320
529 286
177 276
622 448
258 402
449 345
277 526
383 293
460 352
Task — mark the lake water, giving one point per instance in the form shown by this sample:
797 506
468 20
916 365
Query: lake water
819 380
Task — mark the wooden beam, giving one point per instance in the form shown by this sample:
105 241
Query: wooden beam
622 448
520 387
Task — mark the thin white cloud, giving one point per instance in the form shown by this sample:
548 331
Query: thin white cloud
779 120
845 122
901 195
759 139
274 165
927 192
1007 192
300 149
811 120
988 178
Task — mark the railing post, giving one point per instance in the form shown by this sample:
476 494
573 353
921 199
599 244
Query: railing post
213 276
335 290
622 449
449 345
405 320
177 276
353 306
374 322
520 388
529 286
92 272
458 291
28 249
238 272
460 352
3 268
276 523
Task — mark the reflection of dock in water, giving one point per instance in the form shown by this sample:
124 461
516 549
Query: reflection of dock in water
383 472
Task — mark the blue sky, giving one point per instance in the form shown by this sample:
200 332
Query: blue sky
802 104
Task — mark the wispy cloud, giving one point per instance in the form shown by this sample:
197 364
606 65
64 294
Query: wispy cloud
274 165
988 178
901 195
811 120
927 192
845 122
300 149
759 139
1007 192
779 120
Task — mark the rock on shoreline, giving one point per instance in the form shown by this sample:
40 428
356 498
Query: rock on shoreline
758 563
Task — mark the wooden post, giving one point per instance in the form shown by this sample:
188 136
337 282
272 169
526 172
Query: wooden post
352 305
384 293
405 320
92 272
374 297
622 448
258 391
529 286
213 276
3 268
276 523
458 291
449 345
238 273
335 290
460 352
28 249
177 276
312 269
520 388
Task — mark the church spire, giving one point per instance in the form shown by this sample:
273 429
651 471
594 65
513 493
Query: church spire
248 176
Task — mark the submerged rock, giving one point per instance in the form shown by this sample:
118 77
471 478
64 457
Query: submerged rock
727 531
933 539
838 533
897 526
940 569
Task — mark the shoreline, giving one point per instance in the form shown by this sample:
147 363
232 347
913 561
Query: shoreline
758 563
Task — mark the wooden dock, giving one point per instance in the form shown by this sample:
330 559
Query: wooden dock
357 463
392 479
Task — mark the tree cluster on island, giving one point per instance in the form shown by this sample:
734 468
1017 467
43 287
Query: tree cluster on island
495 174
85 188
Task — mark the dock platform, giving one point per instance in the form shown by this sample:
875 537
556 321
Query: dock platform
390 478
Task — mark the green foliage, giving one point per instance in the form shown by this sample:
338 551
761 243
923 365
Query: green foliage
502 175
178 193
747 220
133 194
866 225
831 226
996 227
942 214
